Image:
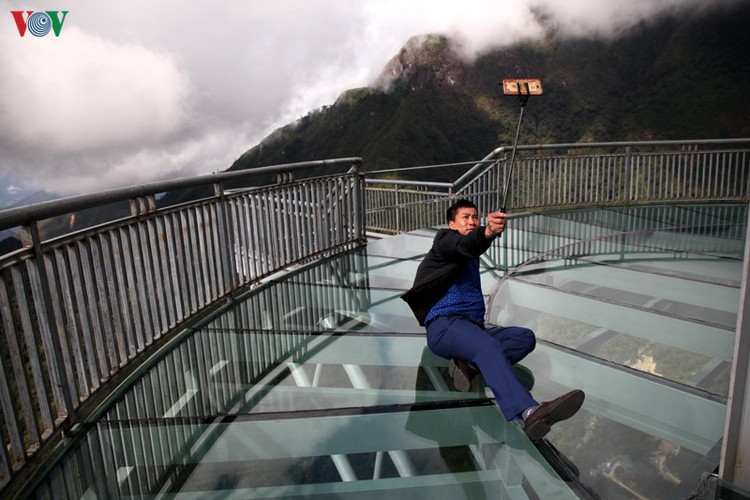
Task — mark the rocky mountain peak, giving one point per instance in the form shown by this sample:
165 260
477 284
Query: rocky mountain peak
425 61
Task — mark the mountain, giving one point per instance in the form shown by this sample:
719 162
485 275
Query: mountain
678 76
13 193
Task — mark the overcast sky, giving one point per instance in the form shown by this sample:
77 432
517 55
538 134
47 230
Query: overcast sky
141 90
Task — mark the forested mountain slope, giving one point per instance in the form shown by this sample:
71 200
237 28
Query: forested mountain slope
675 77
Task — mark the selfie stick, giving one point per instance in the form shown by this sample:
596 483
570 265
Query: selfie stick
523 88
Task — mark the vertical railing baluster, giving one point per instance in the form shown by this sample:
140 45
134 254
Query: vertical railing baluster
17 408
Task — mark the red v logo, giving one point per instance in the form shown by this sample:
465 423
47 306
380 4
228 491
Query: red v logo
20 21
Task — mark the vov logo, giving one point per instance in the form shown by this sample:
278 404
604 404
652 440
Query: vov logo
39 23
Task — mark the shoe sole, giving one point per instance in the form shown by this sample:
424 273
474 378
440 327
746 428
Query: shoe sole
460 381
558 412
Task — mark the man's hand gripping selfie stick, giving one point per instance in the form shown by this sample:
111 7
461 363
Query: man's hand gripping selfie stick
523 88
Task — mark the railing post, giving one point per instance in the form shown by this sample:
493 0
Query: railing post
736 443
142 205
397 196
56 371
500 182
358 202
627 187
225 232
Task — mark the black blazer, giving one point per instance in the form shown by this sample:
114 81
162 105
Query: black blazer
435 274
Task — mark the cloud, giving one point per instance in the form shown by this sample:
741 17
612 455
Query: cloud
133 92
80 103
589 17
85 93
485 24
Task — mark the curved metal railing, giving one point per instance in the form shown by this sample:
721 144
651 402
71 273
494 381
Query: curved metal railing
80 308
567 175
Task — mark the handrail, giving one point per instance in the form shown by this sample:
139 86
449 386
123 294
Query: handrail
623 144
23 215
403 182
493 156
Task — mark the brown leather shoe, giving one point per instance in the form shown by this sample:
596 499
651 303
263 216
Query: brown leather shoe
462 373
538 424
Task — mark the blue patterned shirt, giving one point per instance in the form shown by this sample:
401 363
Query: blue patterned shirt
464 297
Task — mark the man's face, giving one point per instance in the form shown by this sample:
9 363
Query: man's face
466 220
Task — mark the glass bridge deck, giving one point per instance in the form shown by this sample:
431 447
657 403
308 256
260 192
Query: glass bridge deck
319 383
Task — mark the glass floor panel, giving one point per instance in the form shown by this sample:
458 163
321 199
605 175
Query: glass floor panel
319 383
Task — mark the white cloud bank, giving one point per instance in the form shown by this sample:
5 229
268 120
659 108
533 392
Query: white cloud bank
82 92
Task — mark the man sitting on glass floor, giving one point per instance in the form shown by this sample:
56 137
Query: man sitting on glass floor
447 300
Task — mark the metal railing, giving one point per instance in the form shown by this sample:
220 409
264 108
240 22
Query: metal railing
77 309
567 175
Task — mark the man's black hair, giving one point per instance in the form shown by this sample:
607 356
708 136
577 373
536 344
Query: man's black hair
453 209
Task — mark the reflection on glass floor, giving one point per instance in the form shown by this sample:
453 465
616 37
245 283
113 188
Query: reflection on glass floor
320 384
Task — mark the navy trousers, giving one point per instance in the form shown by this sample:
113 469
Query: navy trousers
493 350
